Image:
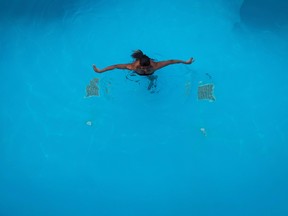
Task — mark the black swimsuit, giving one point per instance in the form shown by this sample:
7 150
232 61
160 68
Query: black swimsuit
144 69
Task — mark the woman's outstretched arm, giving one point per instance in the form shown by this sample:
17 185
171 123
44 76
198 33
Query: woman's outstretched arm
162 64
112 67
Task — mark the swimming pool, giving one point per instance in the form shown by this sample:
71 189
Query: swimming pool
129 151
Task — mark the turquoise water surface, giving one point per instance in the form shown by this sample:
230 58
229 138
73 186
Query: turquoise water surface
131 151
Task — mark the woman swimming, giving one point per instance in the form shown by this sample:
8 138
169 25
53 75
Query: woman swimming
142 65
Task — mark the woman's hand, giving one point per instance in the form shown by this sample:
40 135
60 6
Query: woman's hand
96 69
189 61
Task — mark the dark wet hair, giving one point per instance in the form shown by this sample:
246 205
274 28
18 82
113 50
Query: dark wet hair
139 55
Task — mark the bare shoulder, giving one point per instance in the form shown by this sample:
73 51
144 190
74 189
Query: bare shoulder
134 65
153 63
131 66
158 65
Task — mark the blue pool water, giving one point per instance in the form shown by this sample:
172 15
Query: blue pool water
144 153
